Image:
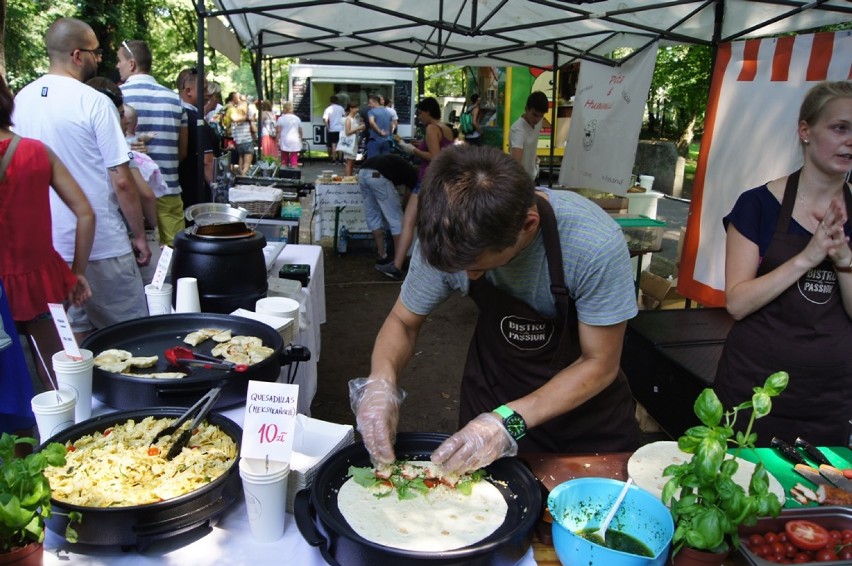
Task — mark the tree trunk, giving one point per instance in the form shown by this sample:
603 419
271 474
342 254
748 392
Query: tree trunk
3 38
686 138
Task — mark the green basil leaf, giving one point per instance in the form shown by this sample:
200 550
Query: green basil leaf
776 383
708 408
762 404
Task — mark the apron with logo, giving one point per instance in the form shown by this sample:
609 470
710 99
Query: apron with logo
805 332
515 350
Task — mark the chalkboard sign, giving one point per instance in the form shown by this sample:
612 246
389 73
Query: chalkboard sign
402 100
301 98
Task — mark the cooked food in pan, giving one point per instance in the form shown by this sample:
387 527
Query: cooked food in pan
119 467
199 336
243 350
412 506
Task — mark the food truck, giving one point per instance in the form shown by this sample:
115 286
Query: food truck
312 86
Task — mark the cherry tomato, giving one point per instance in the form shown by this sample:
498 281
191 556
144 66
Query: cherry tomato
107 432
801 558
755 540
836 536
845 553
778 549
825 555
770 538
806 535
153 451
762 550
782 536
790 549
71 448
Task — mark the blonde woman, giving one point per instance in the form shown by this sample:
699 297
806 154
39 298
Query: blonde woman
289 132
352 125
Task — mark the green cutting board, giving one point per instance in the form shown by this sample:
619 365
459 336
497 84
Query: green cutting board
782 468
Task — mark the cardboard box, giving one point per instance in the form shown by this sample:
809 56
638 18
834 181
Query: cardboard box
659 293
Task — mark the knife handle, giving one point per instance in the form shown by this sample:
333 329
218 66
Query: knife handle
812 451
787 451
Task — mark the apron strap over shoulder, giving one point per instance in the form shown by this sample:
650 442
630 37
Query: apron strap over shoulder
552 247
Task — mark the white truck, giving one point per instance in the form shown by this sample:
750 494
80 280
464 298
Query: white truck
312 86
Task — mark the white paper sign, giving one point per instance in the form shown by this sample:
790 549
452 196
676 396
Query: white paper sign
605 124
270 421
162 267
63 327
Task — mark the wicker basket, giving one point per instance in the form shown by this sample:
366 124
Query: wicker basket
260 207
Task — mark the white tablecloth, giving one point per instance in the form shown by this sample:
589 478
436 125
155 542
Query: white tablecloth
312 299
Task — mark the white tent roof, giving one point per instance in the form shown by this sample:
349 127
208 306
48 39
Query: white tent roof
505 32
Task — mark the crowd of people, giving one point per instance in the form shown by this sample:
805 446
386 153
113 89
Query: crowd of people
549 270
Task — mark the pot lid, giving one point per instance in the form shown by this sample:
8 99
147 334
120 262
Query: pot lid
207 213
228 231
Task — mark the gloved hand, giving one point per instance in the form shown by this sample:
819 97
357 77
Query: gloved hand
375 403
480 442
406 147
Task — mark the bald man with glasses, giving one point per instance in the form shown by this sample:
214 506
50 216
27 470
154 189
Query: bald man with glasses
83 128
160 113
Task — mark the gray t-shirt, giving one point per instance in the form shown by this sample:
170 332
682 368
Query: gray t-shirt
597 267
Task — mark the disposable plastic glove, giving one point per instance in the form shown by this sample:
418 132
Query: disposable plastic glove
376 403
406 147
480 442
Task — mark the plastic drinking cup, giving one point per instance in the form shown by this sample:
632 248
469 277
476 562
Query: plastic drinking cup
266 497
54 411
159 300
76 374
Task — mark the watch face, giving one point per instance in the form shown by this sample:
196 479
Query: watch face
516 426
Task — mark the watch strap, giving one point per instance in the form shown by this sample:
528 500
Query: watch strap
504 411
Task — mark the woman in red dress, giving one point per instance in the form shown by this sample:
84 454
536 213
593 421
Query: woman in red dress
31 270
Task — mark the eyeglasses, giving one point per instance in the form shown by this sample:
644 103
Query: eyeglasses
98 52
124 44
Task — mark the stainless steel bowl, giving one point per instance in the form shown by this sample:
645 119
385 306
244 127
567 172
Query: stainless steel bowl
206 213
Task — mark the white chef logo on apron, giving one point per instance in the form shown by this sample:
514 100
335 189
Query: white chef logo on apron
818 285
526 334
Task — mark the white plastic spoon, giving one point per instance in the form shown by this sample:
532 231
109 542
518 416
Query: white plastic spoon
601 532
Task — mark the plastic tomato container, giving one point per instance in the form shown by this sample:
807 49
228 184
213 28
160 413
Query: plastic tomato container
642 234
830 517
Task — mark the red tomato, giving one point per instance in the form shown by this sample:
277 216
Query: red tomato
835 536
778 548
770 538
807 535
755 540
825 555
430 483
848 473
801 558
71 448
153 451
107 431
845 553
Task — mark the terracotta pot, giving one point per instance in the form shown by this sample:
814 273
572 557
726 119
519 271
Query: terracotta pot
691 557
30 555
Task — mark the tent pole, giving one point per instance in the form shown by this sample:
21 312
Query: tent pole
258 79
199 101
555 110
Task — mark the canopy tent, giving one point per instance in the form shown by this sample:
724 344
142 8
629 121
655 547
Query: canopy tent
541 33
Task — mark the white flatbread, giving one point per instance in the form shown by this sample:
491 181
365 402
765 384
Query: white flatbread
646 467
443 519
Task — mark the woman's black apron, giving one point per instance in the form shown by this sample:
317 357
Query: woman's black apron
515 350
806 333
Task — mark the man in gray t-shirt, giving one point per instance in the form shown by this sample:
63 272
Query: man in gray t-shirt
551 275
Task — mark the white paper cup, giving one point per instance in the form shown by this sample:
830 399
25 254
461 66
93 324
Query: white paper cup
282 307
186 299
159 300
76 374
266 497
53 414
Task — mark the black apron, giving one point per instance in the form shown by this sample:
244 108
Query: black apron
806 333
515 350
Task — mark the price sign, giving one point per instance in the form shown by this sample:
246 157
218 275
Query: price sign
63 327
162 267
270 421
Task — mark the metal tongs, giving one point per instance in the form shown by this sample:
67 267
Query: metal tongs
202 406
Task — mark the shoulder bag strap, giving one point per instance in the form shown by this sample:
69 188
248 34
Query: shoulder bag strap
13 145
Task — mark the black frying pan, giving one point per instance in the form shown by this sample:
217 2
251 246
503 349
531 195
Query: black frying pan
321 523
153 335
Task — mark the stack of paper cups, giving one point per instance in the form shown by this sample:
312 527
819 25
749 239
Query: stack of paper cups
159 300
186 299
282 307
76 374
265 488
54 411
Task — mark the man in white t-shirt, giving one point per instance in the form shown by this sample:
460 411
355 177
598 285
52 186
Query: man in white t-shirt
82 127
333 118
523 135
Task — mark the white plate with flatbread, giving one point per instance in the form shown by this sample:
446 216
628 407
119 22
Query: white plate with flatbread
646 467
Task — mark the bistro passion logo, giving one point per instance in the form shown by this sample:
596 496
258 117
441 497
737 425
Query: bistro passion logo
526 334
818 285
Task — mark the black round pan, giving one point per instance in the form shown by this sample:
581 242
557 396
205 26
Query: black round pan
152 336
321 523
140 525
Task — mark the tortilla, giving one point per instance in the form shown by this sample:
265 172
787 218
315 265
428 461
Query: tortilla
442 519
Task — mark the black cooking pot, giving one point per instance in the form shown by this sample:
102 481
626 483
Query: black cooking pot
140 525
322 525
230 266
153 335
